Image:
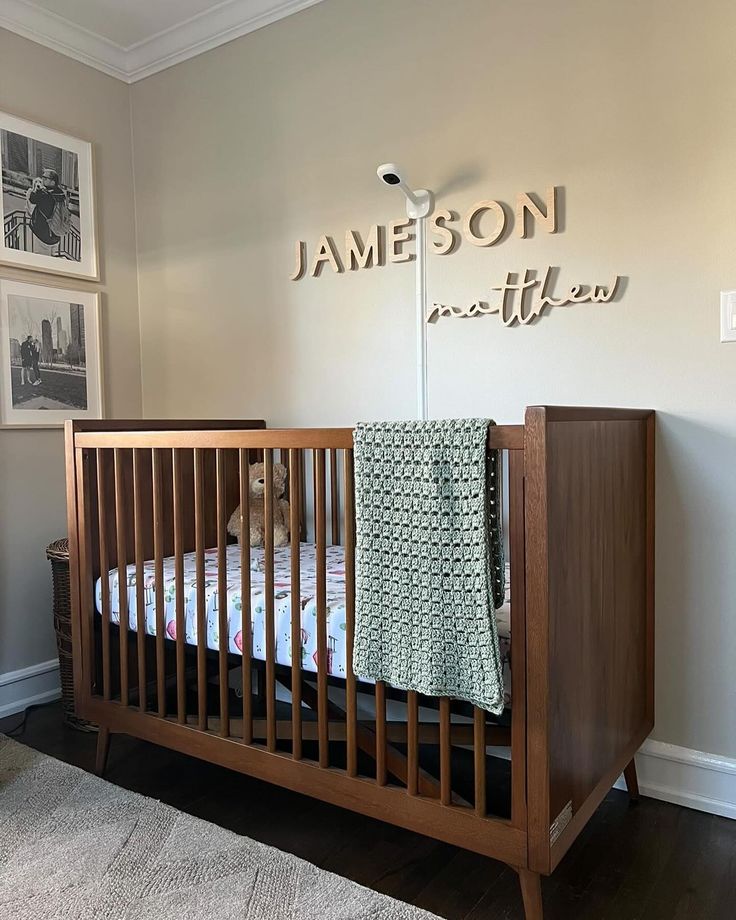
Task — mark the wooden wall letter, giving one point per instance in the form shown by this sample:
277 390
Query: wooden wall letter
326 252
301 261
448 238
359 256
397 236
470 220
522 301
547 219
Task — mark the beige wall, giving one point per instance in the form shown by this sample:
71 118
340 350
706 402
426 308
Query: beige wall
629 106
45 87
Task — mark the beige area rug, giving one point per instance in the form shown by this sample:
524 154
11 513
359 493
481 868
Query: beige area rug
74 847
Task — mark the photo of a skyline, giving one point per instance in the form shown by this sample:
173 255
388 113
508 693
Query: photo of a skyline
47 351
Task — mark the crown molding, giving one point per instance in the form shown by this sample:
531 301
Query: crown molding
216 26
60 35
220 24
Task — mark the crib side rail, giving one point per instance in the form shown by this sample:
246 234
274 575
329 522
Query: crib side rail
500 437
142 499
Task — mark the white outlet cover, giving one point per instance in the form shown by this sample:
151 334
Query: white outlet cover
728 316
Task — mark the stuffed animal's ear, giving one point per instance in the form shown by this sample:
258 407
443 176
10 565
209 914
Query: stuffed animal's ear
279 476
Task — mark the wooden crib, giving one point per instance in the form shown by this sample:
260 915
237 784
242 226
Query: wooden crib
518 788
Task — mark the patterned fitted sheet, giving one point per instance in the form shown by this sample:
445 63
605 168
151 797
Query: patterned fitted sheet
336 625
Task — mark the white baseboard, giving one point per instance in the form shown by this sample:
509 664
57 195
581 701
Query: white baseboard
30 686
705 782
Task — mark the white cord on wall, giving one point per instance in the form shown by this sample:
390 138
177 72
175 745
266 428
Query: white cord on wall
421 318
419 206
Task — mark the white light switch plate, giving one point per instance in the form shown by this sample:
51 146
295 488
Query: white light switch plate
728 316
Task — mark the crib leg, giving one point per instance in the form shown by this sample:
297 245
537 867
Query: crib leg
103 749
632 783
531 893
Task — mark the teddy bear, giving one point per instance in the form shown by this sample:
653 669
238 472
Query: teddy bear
257 510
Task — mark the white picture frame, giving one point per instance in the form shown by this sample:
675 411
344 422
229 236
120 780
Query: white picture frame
50 335
47 200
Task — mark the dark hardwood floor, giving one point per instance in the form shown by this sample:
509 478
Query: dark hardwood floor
652 861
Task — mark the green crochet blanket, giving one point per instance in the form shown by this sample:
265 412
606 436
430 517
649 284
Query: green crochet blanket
429 559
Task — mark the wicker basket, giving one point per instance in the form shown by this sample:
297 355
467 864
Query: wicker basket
58 555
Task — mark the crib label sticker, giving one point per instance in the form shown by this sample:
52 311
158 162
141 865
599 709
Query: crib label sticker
560 823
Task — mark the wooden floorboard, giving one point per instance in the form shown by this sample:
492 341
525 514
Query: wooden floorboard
653 861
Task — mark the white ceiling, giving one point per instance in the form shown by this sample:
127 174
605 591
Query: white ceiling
132 39
129 22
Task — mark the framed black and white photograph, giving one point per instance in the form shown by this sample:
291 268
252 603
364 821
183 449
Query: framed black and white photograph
47 200
50 358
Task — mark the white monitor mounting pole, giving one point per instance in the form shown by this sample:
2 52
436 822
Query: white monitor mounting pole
419 206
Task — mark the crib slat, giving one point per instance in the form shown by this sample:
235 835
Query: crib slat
314 489
381 772
246 630
140 594
122 572
321 580
296 606
479 758
82 464
104 572
334 498
412 742
268 501
222 626
303 497
518 632
158 565
181 690
445 752
351 695
199 570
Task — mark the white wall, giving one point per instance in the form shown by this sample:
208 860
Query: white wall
628 106
45 87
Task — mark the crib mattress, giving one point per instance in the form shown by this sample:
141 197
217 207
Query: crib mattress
336 619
